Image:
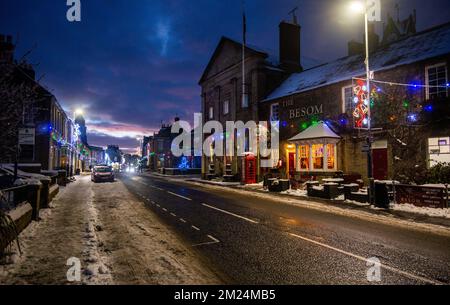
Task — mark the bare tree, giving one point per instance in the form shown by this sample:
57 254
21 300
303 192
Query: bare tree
18 92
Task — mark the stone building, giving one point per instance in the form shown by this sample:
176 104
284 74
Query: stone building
222 86
51 140
315 108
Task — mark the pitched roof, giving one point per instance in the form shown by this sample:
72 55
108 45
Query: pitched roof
316 132
219 47
424 45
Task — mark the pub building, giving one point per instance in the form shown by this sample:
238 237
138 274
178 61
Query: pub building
316 107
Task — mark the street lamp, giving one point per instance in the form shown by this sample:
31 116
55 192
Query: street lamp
78 112
357 7
361 7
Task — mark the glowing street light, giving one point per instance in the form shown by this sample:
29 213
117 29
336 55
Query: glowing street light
78 112
357 7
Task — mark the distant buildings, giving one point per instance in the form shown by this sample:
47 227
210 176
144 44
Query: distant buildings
157 151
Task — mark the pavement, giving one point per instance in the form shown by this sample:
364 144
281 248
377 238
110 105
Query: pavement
251 238
116 239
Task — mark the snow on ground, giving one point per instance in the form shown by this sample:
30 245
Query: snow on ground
115 237
345 210
445 213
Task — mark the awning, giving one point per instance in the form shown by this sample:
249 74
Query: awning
316 134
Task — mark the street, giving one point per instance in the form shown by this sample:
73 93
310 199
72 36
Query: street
115 238
254 240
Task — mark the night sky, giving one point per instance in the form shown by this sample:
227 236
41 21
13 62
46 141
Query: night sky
133 64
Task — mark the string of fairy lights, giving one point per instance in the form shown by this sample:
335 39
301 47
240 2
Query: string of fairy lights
447 85
362 101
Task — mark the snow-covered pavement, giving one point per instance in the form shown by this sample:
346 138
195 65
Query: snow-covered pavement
115 237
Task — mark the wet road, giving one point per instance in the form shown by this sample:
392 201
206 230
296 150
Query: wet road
253 240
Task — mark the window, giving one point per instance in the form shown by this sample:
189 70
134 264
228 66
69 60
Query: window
274 112
438 150
347 99
304 157
317 156
331 156
244 100
211 112
226 107
436 76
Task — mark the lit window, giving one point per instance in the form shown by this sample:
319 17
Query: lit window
274 112
317 156
226 107
437 80
331 156
304 157
347 99
438 150
211 113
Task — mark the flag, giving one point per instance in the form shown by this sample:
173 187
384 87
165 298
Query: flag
373 10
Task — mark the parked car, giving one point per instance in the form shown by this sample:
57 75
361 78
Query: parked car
102 173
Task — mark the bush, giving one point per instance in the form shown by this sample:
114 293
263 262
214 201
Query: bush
439 173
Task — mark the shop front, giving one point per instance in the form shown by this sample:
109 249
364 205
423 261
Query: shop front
313 152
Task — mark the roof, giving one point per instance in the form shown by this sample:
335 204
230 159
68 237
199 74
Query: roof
321 131
219 47
421 46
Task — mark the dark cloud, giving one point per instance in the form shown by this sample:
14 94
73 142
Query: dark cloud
133 64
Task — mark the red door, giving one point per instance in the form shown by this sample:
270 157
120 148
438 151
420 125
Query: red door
380 163
291 164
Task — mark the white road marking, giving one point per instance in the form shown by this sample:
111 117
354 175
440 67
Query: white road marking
173 214
229 213
164 209
182 220
395 270
155 187
195 228
179 196
153 202
214 241
158 205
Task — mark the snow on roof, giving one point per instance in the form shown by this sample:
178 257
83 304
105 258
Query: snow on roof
427 44
319 131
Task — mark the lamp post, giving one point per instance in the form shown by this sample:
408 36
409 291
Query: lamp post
361 7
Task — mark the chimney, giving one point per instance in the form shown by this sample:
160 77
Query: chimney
6 49
290 46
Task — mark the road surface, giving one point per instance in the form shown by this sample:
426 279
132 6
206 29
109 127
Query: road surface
253 240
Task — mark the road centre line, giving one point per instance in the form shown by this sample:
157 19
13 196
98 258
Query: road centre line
173 214
395 270
195 228
179 196
214 241
164 209
182 220
229 213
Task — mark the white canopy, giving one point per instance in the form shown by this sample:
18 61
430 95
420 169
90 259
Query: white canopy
316 134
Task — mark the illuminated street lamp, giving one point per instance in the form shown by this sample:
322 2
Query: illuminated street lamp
373 8
78 112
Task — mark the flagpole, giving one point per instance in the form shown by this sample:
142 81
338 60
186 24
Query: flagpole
244 29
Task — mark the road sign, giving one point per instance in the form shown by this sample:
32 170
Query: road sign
365 148
26 136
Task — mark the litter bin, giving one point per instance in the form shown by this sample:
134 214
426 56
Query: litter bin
381 196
